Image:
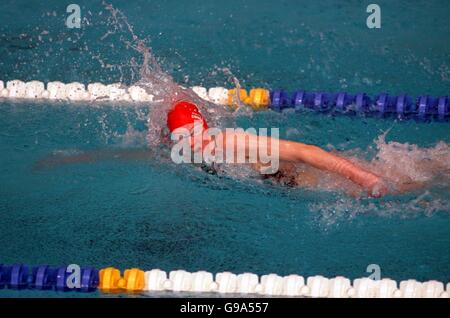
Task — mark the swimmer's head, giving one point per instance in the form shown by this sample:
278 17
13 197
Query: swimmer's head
185 114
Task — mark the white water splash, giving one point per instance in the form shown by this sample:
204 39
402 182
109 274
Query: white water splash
418 177
398 162
160 84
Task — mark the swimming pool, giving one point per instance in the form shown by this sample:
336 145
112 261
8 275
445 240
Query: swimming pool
155 214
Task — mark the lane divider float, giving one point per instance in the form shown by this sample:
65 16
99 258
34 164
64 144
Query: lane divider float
135 280
382 105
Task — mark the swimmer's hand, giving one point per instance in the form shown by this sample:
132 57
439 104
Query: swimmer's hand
376 187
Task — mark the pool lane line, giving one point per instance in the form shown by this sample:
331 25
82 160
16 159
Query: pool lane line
403 106
135 280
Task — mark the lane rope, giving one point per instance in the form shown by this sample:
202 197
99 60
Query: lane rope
382 105
135 280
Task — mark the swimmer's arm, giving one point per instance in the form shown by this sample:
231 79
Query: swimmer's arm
298 152
321 159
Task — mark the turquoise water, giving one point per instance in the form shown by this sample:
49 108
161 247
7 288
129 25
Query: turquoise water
154 214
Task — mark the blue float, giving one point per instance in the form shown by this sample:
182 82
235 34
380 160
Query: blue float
88 282
3 276
382 105
18 276
443 107
89 279
279 100
61 279
44 277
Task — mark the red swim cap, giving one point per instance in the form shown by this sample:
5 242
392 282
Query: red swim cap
184 113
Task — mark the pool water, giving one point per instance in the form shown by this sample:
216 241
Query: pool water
153 214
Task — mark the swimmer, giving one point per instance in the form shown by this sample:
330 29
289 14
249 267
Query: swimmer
301 165
185 114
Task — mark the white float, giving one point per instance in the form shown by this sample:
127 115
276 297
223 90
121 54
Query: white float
272 285
56 90
4 93
98 91
432 289
364 288
34 89
292 285
155 280
203 281
95 92
410 289
226 282
16 89
201 92
117 92
218 95
76 92
339 287
319 286
247 283
138 94
386 288
180 280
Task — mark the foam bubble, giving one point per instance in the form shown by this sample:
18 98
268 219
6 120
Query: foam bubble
419 179
401 163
